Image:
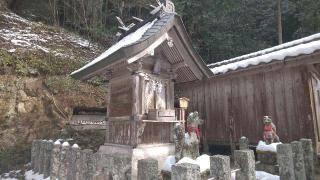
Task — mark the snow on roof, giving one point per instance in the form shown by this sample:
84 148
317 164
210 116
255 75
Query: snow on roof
298 47
124 42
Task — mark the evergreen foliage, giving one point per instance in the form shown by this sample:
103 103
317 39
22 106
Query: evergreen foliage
220 29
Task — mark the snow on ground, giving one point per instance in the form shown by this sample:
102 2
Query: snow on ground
262 146
204 162
29 175
261 175
126 41
19 34
302 46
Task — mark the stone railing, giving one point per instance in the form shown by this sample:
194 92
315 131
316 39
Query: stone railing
65 162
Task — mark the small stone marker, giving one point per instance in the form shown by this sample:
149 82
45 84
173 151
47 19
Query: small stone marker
243 143
245 161
220 167
148 169
43 156
298 161
33 154
86 171
185 171
47 158
285 161
55 160
308 158
72 169
37 157
63 161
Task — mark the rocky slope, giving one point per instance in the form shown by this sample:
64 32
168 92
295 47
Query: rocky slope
36 94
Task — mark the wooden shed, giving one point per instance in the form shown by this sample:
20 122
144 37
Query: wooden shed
282 82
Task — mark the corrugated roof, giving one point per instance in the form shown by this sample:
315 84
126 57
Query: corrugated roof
303 46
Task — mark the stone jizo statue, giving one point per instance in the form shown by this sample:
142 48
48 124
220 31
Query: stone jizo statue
269 131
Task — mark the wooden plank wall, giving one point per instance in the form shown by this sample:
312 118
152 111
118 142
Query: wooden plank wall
282 94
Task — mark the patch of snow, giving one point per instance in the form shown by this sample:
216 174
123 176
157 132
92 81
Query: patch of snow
187 160
21 43
171 160
261 175
75 146
262 146
65 144
12 50
204 162
126 41
13 16
277 53
46 50
57 142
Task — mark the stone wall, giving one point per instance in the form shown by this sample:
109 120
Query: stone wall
66 162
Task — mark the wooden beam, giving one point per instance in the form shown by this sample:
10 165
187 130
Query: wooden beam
179 65
185 55
149 49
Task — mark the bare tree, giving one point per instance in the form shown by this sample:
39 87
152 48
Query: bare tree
279 19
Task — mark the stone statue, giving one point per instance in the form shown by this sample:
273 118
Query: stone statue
269 131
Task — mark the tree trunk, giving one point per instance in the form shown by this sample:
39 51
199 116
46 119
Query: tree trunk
279 19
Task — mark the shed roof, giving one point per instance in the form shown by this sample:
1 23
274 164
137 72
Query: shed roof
304 46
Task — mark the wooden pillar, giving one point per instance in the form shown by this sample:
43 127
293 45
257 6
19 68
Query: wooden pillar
135 95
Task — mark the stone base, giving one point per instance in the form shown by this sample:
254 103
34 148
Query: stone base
155 151
267 157
272 169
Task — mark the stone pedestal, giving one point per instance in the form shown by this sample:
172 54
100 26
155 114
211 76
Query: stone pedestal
185 171
267 162
148 169
298 161
285 161
244 159
308 155
55 160
220 167
158 152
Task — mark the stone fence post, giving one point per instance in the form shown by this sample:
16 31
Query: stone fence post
33 154
55 160
285 161
220 167
245 161
185 171
298 161
42 156
308 158
86 171
243 143
148 169
37 157
65 150
72 169
47 158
